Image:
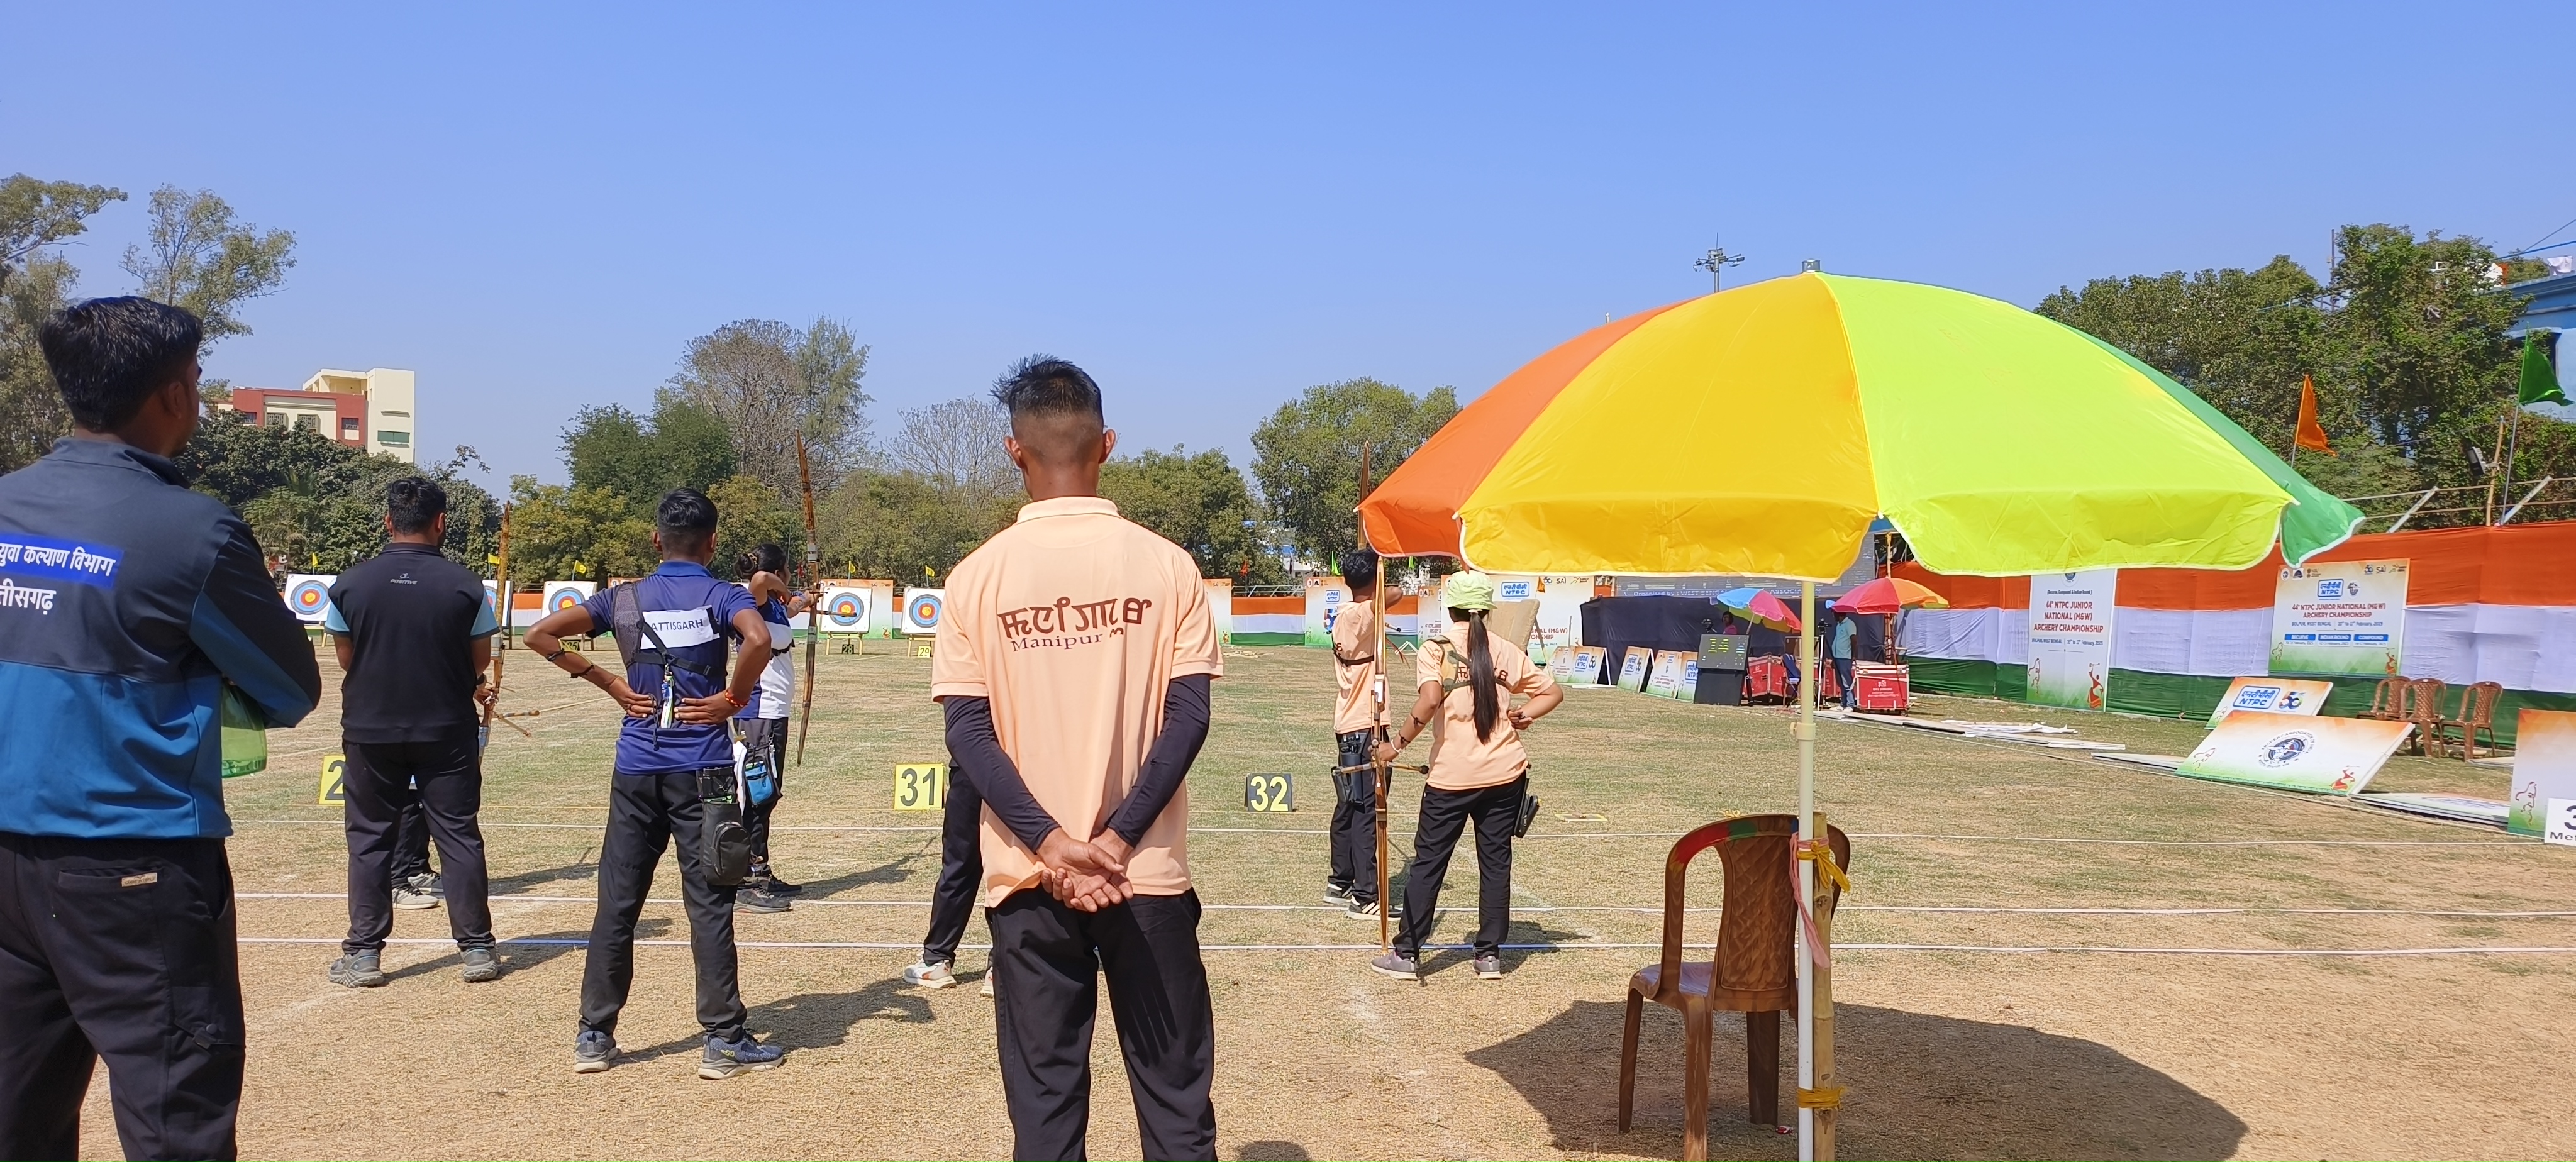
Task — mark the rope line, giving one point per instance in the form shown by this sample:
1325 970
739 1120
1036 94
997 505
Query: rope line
912 946
1545 908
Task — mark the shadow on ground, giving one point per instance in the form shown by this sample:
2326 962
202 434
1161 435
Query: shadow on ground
1919 1087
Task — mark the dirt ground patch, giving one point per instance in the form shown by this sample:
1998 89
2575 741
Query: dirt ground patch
2174 1054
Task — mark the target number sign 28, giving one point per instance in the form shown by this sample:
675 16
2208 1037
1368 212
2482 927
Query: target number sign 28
1269 793
920 786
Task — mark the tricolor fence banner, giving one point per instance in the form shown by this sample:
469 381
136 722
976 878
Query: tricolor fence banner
2295 752
2481 605
308 595
1270 621
2278 695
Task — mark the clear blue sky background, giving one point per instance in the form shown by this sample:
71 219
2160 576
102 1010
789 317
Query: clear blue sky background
1213 206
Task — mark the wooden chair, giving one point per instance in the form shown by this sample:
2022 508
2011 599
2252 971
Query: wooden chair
2424 709
2388 699
1752 970
2477 716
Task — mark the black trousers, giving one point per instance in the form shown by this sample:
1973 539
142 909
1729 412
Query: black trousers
411 843
645 814
1354 827
961 871
1047 961
757 734
378 787
1445 814
120 949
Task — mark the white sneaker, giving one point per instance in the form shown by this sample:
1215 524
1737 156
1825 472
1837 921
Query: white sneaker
929 976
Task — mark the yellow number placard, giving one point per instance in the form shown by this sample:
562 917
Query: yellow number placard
920 786
921 648
1269 793
332 793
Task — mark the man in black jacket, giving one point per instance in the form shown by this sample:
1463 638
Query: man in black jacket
413 631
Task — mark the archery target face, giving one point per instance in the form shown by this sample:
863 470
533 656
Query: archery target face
563 595
308 595
921 610
845 611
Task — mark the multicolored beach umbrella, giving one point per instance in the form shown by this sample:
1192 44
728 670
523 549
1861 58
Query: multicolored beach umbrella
1999 442
1759 607
1887 595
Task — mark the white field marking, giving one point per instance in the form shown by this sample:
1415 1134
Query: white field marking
2533 844
1539 908
915 946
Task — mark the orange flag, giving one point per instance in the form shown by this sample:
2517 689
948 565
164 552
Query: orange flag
2312 435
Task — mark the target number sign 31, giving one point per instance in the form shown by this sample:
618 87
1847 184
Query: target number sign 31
1269 793
920 786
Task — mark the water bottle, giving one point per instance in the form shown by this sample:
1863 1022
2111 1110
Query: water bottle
245 734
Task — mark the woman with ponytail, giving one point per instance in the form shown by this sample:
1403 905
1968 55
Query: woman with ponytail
1479 771
763 569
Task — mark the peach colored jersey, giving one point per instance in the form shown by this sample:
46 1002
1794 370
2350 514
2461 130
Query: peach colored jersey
1459 762
1072 621
1355 636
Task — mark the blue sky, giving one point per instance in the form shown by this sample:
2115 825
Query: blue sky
1212 206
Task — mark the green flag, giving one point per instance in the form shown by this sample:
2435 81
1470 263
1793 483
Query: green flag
2539 381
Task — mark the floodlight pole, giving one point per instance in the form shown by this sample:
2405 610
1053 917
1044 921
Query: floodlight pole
1715 263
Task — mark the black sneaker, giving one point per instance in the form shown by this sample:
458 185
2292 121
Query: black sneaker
429 884
359 970
750 898
1337 893
1362 910
779 887
724 1058
592 1051
481 964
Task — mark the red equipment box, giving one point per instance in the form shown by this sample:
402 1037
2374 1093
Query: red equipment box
1880 689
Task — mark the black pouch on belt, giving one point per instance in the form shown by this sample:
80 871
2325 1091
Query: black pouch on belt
727 841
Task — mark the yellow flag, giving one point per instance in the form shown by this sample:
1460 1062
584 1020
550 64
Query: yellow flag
492 558
317 562
580 569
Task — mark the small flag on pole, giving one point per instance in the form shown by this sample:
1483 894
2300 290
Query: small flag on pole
2538 391
2312 435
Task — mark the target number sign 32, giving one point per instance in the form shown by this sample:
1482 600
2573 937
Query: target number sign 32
920 786
1269 793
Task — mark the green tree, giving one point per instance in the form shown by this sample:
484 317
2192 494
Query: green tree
748 513
680 446
2241 339
904 526
770 384
1199 502
196 256
1307 454
35 216
2419 335
559 532
315 503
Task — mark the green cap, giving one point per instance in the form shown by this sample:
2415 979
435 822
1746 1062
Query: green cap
1468 590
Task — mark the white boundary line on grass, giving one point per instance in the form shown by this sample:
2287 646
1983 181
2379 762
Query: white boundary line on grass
912 946
1544 908
2518 844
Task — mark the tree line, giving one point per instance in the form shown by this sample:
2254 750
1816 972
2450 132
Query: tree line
2403 337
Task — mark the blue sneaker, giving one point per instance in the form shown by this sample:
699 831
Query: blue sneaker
725 1058
592 1051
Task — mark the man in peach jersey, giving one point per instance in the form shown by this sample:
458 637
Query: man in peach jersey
1074 660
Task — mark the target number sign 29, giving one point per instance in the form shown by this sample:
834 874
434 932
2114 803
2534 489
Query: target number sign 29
920 786
1269 793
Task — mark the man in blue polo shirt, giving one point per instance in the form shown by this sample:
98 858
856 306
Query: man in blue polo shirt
674 778
129 605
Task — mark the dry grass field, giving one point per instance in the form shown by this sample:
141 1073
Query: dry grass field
2179 1053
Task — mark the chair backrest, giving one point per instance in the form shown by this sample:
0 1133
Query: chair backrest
2428 701
1761 909
2388 698
2480 703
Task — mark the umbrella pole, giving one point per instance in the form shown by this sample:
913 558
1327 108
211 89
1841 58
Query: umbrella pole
1810 1147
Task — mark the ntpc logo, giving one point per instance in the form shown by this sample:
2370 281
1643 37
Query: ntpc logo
2336 589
